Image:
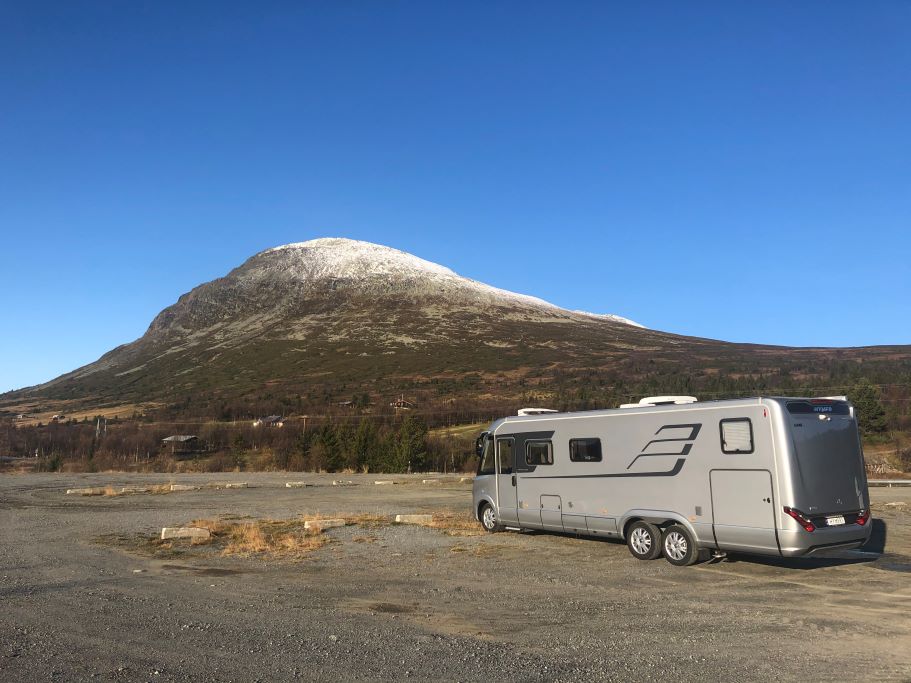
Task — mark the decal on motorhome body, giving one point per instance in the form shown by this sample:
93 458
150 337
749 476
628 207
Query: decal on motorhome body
688 442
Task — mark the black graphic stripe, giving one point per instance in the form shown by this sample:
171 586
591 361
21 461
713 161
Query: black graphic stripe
675 470
686 451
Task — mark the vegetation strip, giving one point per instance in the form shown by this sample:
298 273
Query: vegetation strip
294 538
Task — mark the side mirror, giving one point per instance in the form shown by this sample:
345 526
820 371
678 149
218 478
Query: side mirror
479 445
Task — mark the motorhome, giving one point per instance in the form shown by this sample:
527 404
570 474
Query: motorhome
676 477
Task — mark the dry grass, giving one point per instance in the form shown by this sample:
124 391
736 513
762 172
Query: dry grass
281 538
154 489
456 524
288 539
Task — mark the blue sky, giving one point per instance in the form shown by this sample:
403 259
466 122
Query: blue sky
741 171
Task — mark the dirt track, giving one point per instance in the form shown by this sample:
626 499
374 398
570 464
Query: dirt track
408 602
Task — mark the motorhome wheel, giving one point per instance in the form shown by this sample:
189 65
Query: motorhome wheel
679 546
644 541
489 519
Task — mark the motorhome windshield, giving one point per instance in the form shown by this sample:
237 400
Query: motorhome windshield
486 464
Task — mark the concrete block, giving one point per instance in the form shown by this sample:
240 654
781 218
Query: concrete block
430 481
191 532
342 482
94 491
183 487
297 484
322 524
383 482
135 489
236 485
466 480
413 519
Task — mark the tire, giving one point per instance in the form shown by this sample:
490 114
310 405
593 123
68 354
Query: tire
644 540
488 517
679 546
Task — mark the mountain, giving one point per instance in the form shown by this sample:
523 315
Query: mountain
325 320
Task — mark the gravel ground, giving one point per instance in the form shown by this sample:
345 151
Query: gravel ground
403 602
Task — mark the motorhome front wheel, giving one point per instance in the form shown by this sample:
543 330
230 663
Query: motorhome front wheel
489 519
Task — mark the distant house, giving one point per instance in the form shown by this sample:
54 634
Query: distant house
182 443
180 438
401 404
58 418
271 421
345 404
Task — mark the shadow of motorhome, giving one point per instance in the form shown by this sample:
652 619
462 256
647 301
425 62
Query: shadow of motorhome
872 552
835 559
877 542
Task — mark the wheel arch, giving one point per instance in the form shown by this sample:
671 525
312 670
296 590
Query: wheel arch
660 518
485 500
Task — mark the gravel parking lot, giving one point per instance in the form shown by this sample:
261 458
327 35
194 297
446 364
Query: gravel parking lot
397 602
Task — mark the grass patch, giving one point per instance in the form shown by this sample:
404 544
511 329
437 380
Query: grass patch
456 524
286 539
154 489
281 538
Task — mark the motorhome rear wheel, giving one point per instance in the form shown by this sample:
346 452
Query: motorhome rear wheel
644 540
679 546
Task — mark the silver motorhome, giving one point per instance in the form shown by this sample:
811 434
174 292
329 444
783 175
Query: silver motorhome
672 476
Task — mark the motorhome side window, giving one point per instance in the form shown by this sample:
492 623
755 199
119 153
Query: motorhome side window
539 453
585 450
504 450
737 435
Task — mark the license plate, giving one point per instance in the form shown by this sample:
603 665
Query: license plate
836 520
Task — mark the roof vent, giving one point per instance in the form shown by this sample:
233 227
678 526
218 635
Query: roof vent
661 401
535 411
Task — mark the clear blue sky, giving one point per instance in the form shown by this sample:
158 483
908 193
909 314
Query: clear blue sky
739 171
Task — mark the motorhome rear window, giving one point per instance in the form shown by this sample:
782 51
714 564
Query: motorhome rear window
585 450
737 435
819 407
539 453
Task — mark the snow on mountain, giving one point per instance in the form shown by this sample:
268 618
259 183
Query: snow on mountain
345 258
334 258
612 317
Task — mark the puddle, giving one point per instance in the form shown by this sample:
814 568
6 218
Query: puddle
893 563
390 608
202 571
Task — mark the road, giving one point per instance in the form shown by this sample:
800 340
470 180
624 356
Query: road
79 602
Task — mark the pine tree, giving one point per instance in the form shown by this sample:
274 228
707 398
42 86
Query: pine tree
412 444
871 416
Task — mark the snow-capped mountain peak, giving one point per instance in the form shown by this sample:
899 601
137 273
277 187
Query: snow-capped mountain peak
340 257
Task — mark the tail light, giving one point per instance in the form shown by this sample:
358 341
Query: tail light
800 518
862 517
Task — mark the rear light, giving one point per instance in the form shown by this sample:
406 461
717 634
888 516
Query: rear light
800 518
862 517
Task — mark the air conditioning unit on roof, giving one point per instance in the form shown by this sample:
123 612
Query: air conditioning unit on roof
661 401
535 411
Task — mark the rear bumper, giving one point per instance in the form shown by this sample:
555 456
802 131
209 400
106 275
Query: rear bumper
800 543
